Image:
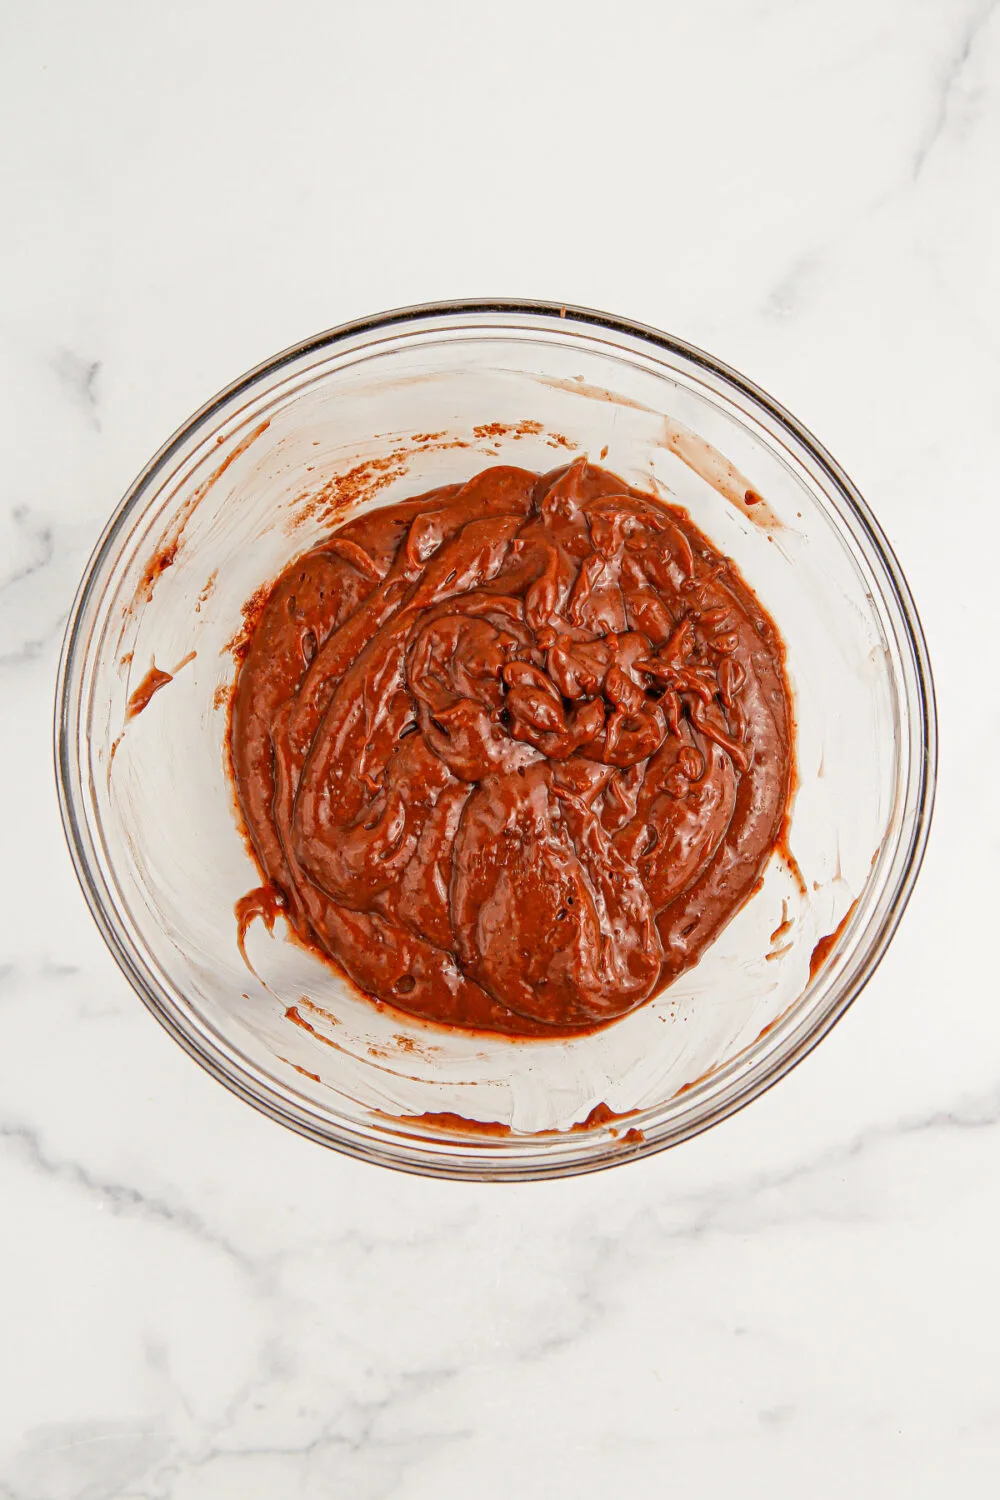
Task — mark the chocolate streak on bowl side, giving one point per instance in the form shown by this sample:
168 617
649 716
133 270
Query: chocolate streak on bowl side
143 694
514 751
170 542
826 945
151 684
599 1118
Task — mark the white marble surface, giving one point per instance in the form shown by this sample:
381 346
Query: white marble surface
197 1305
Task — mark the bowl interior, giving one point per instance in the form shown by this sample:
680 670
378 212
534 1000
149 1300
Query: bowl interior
367 419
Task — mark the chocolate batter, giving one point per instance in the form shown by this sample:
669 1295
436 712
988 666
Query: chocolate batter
513 752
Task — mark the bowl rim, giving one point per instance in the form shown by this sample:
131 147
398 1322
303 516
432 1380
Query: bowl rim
476 1164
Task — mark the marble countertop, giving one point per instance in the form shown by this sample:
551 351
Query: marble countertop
198 1305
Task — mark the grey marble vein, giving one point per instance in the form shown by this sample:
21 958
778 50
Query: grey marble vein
119 1197
80 376
83 1461
796 286
38 544
950 82
360 1471
345 1447
36 647
763 1202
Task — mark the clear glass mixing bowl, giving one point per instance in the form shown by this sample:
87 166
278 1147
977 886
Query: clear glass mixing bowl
366 415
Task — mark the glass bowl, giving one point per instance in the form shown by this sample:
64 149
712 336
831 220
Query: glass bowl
371 413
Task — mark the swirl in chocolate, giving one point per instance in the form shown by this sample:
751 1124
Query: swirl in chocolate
513 752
